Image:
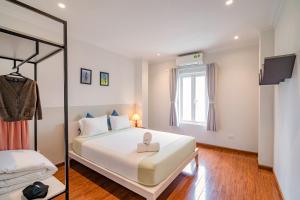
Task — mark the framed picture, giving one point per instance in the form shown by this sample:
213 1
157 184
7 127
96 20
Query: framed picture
85 76
104 79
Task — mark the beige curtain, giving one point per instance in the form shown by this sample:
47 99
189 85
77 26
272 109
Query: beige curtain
211 85
173 96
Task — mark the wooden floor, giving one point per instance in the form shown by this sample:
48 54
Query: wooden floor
222 174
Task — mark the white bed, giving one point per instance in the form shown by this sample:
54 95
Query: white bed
114 155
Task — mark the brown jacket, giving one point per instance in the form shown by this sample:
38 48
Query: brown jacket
19 100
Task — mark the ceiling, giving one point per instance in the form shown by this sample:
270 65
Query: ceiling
143 28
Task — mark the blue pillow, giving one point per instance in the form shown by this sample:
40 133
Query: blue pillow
114 113
88 115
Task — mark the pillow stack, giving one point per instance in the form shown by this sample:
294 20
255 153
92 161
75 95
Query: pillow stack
90 125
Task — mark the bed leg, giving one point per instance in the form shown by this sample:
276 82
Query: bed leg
197 160
69 161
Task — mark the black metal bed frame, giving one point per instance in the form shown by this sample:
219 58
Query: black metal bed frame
63 47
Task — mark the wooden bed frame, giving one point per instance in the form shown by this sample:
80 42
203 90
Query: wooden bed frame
150 193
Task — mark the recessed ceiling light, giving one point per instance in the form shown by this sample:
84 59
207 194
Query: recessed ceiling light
158 54
236 37
61 5
229 2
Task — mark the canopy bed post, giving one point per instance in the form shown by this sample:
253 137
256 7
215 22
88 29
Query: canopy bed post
35 116
66 110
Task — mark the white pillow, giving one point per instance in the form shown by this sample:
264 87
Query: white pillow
119 122
93 126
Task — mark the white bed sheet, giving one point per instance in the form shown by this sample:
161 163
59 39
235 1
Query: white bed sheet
116 150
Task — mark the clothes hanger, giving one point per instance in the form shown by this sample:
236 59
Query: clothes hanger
17 75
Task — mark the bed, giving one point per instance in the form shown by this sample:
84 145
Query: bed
113 155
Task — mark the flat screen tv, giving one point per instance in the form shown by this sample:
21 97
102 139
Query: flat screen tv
276 69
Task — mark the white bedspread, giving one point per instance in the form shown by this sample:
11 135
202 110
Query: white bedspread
117 150
19 168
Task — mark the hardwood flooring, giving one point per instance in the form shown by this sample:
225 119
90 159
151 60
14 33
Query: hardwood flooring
222 175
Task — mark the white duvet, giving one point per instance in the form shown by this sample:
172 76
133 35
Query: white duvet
20 168
116 151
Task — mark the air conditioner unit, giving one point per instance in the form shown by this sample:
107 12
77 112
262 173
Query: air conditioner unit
190 59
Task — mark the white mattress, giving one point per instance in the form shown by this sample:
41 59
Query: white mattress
116 150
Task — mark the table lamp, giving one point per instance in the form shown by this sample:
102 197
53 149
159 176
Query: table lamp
135 118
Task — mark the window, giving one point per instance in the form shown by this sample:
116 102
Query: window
192 101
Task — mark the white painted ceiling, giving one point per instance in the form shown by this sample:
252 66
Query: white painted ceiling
142 28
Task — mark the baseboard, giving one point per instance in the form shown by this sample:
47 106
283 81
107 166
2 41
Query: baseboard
226 148
278 186
265 167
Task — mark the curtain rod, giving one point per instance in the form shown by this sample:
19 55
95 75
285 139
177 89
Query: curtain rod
191 66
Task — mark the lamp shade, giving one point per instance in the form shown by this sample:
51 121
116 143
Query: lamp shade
136 117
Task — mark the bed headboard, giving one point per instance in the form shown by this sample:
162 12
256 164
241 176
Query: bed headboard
76 112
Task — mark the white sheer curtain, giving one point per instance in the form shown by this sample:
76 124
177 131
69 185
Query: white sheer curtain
173 96
211 84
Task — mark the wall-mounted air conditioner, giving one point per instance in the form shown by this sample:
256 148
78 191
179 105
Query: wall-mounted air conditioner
190 59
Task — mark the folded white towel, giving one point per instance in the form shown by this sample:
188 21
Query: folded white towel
153 147
147 138
20 168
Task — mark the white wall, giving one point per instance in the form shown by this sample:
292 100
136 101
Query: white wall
121 71
237 100
142 91
121 90
266 104
287 109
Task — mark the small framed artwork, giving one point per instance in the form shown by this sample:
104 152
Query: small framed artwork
85 76
104 79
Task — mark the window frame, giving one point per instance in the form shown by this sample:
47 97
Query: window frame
193 72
